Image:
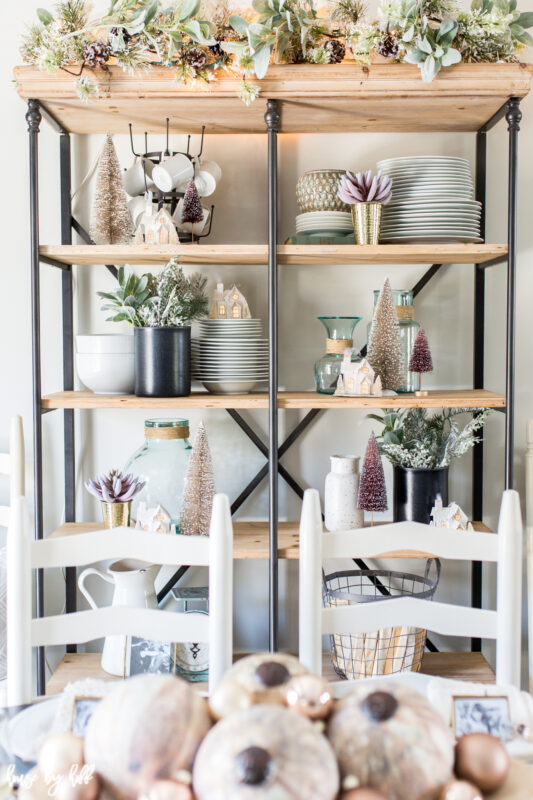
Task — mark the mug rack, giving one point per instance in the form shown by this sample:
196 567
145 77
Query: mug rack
171 198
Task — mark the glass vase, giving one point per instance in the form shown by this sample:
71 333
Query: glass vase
162 462
403 300
340 336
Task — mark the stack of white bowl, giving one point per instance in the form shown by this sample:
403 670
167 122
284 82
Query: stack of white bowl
230 357
105 362
432 201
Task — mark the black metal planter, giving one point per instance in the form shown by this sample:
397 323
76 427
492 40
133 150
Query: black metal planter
415 491
162 362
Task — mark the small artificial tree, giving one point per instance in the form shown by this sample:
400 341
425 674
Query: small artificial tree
420 360
385 345
372 495
199 488
110 218
192 206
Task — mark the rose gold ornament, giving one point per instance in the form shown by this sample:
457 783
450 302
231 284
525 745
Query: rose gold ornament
483 760
362 793
169 790
460 790
59 752
78 785
309 695
229 697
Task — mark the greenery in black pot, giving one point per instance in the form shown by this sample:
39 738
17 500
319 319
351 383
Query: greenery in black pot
170 299
414 438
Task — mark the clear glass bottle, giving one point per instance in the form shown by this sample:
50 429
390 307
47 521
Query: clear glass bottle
340 336
403 299
162 462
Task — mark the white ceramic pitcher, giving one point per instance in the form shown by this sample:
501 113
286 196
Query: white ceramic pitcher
134 587
340 498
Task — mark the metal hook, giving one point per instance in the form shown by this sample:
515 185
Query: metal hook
131 141
167 151
201 143
188 143
145 142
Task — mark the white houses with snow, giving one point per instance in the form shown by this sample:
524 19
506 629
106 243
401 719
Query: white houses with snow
450 516
357 378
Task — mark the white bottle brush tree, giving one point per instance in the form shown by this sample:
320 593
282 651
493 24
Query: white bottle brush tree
199 488
110 217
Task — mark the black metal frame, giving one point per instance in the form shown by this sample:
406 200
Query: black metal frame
272 451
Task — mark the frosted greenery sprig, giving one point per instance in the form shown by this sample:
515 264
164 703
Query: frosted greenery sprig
178 299
414 438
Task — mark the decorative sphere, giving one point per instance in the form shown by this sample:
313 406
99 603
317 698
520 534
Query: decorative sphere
33 786
229 697
362 793
146 729
85 787
169 790
59 752
309 695
483 760
460 790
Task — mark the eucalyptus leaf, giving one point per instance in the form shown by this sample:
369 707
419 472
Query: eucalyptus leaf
429 69
261 61
415 56
150 12
407 35
237 48
425 46
525 20
451 56
45 16
188 9
522 36
239 24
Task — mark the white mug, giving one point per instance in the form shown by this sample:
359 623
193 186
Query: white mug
205 183
134 177
138 205
198 227
173 172
212 167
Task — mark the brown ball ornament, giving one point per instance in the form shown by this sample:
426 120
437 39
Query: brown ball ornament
309 695
362 793
460 790
229 697
482 760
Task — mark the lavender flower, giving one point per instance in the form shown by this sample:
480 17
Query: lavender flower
365 188
114 487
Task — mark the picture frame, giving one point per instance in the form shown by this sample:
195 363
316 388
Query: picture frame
78 700
147 655
482 714
82 711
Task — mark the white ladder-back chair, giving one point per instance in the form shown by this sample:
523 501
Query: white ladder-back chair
12 464
505 549
25 555
529 540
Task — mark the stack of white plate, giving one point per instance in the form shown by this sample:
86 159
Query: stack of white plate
324 222
431 201
230 357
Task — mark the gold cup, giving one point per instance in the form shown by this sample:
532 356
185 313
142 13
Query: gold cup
116 514
366 218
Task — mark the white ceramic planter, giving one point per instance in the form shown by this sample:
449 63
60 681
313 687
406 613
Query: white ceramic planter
340 501
105 363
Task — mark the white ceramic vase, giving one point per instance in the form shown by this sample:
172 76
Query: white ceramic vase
133 583
340 502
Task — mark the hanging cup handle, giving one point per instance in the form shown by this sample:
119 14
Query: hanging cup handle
81 583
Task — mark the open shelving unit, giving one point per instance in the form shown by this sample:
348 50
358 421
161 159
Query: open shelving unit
294 99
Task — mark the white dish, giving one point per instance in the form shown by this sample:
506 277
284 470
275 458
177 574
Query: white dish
227 322
423 159
432 239
27 729
107 373
230 387
105 343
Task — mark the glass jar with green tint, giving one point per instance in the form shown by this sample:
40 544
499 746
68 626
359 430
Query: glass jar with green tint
339 338
403 300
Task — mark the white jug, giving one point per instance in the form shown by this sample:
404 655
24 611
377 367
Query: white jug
134 587
340 498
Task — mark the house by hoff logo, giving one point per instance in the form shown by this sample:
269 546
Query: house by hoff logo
77 775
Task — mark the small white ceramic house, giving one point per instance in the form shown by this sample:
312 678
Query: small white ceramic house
155 520
450 516
229 304
357 378
156 229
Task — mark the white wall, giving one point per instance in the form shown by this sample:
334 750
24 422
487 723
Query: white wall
106 438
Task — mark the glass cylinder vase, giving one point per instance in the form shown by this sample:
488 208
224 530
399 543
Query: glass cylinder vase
162 462
403 300
340 337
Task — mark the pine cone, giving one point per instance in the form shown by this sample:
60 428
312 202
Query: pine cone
336 50
388 46
96 54
195 58
114 32
216 49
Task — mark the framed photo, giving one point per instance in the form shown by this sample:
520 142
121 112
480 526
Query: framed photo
482 715
149 656
82 712
77 704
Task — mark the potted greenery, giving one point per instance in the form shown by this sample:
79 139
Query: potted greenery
420 446
161 309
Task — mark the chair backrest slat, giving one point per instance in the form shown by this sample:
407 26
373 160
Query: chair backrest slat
147 623
13 464
86 548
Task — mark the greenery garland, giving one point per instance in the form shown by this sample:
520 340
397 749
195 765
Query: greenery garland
139 34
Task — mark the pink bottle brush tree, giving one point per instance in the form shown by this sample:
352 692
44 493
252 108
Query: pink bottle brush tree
372 494
421 360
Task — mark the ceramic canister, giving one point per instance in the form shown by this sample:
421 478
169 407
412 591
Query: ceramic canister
342 486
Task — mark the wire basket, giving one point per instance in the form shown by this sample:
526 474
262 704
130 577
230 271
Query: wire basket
388 650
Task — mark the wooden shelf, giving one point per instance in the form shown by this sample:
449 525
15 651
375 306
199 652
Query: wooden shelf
250 539
325 98
452 398
288 255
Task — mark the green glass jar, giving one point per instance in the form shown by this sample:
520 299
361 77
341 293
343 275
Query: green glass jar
162 462
340 337
403 300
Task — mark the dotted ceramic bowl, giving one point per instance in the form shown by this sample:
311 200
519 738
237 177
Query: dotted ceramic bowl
317 191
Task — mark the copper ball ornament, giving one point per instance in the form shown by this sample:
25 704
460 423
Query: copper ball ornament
229 697
169 790
309 695
460 790
59 752
482 760
362 793
78 786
